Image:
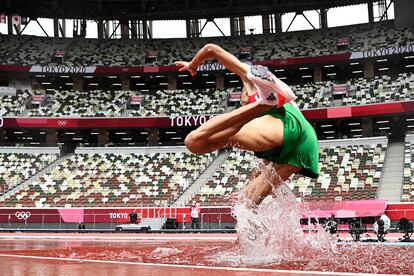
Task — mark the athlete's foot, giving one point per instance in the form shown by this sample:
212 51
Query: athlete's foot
270 89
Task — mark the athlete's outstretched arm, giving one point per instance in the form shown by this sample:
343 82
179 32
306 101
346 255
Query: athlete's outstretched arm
213 51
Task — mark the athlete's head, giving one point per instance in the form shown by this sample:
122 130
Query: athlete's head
268 86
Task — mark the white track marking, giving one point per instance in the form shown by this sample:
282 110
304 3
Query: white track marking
197 266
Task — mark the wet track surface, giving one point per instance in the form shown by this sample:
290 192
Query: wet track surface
68 256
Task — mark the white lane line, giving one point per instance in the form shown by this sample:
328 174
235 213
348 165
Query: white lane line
197 266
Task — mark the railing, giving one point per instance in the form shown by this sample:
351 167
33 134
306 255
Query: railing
97 222
216 221
26 220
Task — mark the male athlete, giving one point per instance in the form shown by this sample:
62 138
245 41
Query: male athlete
271 125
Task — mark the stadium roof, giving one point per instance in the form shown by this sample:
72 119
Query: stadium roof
161 9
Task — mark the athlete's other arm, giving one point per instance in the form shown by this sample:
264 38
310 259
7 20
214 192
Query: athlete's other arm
213 51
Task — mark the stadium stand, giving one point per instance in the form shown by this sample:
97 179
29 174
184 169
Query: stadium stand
80 104
97 103
408 178
381 89
9 45
13 105
113 179
183 102
38 50
349 170
18 167
231 176
93 52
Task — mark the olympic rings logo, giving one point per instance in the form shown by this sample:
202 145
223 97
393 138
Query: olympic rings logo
22 215
62 122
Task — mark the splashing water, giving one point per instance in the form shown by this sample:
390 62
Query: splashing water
271 232
161 252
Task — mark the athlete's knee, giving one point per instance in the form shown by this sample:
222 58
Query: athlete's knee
195 142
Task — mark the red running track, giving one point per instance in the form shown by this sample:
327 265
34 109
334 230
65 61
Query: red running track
175 254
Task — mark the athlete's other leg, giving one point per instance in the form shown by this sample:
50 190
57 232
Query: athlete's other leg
243 127
270 178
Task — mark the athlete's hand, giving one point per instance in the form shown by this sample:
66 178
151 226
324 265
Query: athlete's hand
186 66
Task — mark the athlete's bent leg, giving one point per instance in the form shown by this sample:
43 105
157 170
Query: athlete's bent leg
217 131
